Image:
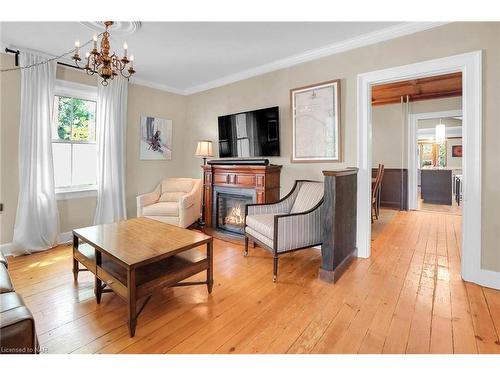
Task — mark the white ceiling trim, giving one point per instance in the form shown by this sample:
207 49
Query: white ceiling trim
133 80
357 42
158 86
349 44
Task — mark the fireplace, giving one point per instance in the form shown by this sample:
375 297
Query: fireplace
228 188
229 209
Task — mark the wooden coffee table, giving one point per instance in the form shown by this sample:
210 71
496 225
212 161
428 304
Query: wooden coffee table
133 258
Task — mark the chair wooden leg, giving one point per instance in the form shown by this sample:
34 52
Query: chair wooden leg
275 268
378 202
246 247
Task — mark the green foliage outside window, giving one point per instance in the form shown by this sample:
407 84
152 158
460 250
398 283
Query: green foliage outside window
75 119
442 155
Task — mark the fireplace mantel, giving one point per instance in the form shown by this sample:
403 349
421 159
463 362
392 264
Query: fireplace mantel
263 179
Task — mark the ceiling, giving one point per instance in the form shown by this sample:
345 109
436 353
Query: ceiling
187 57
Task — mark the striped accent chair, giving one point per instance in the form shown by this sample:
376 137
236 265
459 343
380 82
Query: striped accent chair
293 223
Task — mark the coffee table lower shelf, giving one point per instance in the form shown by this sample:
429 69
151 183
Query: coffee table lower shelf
111 276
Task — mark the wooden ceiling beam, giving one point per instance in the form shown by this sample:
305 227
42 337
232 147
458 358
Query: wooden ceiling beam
443 86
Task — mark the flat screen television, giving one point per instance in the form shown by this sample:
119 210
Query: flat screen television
250 134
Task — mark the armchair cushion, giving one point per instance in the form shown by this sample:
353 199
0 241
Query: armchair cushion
260 237
171 196
175 185
263 224
309 195
162 209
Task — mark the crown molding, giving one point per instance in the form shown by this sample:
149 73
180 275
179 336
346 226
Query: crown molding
378 36
157 86
346 45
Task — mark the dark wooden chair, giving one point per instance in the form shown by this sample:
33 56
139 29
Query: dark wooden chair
376 192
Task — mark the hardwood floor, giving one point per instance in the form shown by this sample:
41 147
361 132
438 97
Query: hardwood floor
407 298
453 209
386 215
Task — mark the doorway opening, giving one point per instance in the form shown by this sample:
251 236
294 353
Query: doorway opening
416 127
436 169
469 65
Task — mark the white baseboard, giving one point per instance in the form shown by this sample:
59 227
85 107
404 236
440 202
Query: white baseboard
487 278
6 249
64 238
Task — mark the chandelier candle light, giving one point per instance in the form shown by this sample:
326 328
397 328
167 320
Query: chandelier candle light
101 62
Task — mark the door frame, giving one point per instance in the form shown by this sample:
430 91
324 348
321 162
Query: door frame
470 65
412 149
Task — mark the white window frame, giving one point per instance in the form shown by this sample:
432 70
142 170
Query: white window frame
86 92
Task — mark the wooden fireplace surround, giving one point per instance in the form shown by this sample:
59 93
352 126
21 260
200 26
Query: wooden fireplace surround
265 180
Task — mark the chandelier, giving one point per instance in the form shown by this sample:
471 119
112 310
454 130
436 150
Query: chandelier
101 62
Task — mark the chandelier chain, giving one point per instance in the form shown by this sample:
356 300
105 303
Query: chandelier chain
49 60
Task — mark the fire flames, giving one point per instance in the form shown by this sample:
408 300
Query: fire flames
234 217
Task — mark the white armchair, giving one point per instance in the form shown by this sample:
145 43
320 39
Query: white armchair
175 201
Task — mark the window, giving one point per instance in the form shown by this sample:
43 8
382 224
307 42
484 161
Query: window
74 146
432 154
442 155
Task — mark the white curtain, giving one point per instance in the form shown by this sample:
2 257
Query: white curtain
37 219
111 136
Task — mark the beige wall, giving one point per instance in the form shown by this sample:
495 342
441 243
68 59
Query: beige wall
201 111
390 140
10 95
142 176
273 89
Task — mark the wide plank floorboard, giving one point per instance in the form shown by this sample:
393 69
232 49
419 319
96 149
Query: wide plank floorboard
408 297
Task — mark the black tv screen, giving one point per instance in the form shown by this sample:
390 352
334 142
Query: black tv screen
250 134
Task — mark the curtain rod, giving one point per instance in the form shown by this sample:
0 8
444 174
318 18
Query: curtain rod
16 61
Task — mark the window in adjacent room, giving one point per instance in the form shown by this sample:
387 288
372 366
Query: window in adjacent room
74 146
